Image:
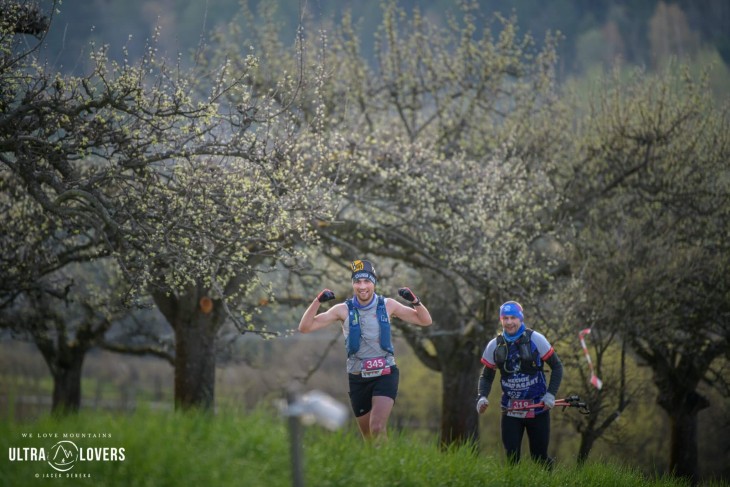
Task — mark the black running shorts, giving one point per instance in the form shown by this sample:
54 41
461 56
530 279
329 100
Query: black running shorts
362 390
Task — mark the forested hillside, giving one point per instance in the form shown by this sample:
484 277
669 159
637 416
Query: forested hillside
182 179
637 31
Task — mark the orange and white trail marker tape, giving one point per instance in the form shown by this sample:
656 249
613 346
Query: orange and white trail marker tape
595 381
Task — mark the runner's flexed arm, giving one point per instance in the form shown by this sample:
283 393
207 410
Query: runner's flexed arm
311 321
417 315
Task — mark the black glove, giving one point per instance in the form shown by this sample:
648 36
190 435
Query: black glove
408 295
325 295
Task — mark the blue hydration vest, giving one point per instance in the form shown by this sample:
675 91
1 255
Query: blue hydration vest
352 343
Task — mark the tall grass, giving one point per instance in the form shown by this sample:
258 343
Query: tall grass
252 449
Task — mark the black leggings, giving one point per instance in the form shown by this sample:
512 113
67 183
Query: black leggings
538 434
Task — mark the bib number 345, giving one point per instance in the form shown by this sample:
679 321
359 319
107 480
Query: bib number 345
374 367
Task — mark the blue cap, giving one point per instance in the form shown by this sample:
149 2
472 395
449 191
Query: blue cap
511 308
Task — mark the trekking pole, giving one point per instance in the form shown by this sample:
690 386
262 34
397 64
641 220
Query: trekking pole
572 401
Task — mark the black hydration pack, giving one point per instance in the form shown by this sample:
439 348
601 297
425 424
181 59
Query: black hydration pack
528 361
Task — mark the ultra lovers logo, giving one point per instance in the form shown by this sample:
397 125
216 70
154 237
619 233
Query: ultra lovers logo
65 454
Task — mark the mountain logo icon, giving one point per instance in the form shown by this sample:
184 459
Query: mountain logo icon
63 455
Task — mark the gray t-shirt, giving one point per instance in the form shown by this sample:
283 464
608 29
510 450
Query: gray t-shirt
369 340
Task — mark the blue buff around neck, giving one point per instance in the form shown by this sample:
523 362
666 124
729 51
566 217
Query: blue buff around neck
357 304
512 338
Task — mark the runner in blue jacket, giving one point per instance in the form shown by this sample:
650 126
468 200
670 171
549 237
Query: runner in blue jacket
520 354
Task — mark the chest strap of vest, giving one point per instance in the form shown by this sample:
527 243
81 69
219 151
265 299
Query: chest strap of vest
352 343
528 363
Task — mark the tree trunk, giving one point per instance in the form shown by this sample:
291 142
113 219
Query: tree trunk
459 418
66 374
65 362
67 386
196 319
683 460
458 346
683 407
591 431
683 456
586 445
195 349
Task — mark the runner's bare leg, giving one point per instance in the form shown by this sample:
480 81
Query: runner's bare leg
374 423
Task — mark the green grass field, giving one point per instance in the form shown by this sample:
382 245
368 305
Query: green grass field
252 449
